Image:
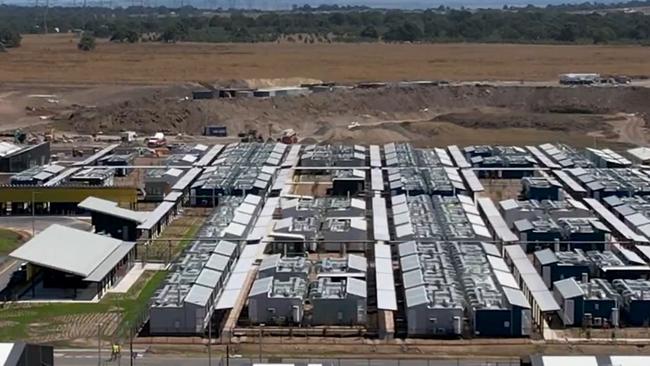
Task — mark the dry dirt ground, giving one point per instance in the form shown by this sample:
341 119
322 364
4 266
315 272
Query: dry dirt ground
47 83
55 59
425 116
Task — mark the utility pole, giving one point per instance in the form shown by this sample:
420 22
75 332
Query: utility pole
131 347
33 213
99 344
260 351
47 8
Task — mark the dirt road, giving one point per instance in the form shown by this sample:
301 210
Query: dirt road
632 130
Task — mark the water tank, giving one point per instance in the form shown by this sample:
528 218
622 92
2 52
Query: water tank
296 313
458 325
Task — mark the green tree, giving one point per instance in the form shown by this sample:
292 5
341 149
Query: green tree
369 32
567 33
87 42
170 35
9 38
406 32
603 35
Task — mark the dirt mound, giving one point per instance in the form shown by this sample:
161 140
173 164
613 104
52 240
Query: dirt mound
505 118
265 83
397 114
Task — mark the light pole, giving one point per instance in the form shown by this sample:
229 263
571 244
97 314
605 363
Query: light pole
210 341
33 213
260 351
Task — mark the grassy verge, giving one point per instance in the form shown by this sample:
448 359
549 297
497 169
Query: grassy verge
17 320
9 240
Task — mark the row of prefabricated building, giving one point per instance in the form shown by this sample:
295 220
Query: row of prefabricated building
453 278
452 262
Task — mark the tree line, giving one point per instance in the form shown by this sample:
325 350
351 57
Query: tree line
304 24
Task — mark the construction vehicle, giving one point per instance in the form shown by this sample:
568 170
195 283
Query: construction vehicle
20 136
353 125
157 140
289 136
128 136
250 136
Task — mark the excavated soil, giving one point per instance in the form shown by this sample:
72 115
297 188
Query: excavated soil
457 114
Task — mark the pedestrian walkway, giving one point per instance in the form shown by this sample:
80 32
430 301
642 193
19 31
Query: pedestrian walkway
125 284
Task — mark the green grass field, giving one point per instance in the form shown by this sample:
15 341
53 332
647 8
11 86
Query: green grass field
9 240
61 323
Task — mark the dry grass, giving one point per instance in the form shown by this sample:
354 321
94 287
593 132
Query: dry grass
55 59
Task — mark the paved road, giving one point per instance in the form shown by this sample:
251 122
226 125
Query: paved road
42 222
78 358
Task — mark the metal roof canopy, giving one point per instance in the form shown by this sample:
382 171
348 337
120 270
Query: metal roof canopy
542 157
199 295
569 360
111 208
568 181
644 250
375 156
498 224
611 219
629 255
458 157
61 177
386 297
173 196
187 179
376 180
568 288
516 297
236 281
209 156
545 256
74 251
380 219
156 215
531 279
96 156
472 180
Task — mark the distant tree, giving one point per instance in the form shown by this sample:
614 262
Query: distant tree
603 35
369 32
567 33
9 38
87 42
406 32
170 35
125 35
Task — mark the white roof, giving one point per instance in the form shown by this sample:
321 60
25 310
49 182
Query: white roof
5 351
156 215
174 172
630 360
69 250
111 208
7 148
570 360
641 153
516 297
